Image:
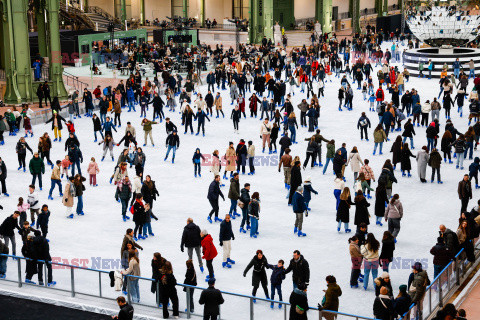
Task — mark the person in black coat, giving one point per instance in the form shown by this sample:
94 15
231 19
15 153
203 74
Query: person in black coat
343 211
225 237
157 264
127 138
213 193
295 180
28 251
361 210
441 256
7 230
259 263
383 306
405 163
149 191
300 268
168 289
338 163
388 247
126 310
42 252
402 303
191 280
97 126
212 298
299 303
3 176
396 151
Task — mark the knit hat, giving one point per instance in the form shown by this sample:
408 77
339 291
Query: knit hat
385 275
211 281
403 288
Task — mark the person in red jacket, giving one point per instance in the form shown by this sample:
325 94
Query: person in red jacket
209 252
380 95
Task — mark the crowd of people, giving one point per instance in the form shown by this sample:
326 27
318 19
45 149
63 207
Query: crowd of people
265 80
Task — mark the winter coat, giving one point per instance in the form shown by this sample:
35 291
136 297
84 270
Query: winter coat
93 168
394 211
435 160
149 191
331 297
361 212
36 166
8 226
298 298
258 273
278 274
234 191
124 191
139 214
379 136
369 254
441 255
68 195
418 286
211 298
405 159
408 131
301 270
464 190
208 248
226 232
298 203
214 191
307 191
295 177
383 308
230 156
422 161
354 160
343 211
191 236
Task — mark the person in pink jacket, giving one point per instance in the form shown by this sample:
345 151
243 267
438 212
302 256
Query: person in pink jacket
92 171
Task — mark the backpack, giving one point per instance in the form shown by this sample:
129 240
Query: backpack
363 122
383 179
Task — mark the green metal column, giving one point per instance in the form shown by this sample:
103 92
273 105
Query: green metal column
323 14
123 10
385 7
42 33
202 13
17 52
56 68
355 16
261 20
185 9
142 12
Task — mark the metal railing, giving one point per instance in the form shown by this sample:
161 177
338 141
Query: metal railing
441 289
91 278
106 15
74 13
73 81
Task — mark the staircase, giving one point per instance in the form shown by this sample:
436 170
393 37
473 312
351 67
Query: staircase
102 19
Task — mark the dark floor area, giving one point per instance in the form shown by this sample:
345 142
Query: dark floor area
23 309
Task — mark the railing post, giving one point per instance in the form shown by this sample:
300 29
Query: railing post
251 309
188 303
100 283
430 301
72 280
440 298
129 298
457 272
285 312
45 274
19 264
157 283
448 279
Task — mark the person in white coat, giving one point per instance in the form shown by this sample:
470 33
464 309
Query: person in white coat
422 161
339 185
136 187
355 162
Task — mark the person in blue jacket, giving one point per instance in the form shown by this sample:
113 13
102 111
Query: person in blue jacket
130 99
37 65
307 191
363 124
197 159
473 171
387 120
299 207
200 116
108 126
311 114
211 81
276 279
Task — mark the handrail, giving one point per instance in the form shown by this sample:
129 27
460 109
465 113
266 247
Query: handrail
77 84
437 284
105 14
129 277
77 13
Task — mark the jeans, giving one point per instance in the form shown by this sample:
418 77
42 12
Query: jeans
430 143
375 147
394 226
131 106
411 141
79 204
293 133
460 157
134 289
370 266
456 72
103 117
469 148
253 226
34 177
437 269
233 207
277 287
95 133
54 183
215 208
7 240
245 216
337 193
124 207
326 164
76 163
174 148
147 226
471 74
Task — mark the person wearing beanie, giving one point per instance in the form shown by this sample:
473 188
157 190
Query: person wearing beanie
307 191
211 298
299 303
383 306
299 207
417 284
402 302
383 281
